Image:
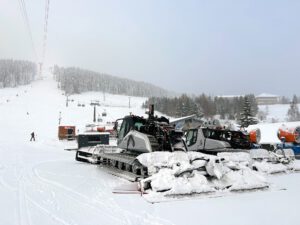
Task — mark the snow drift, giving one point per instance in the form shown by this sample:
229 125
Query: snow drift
181 173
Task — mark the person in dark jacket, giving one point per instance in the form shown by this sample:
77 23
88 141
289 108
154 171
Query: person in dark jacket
32 137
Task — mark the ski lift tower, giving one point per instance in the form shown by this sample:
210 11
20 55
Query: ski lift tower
94 103
40 68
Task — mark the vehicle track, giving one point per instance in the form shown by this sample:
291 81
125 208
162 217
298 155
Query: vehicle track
83 199
108 206
48 212
35 193
23 211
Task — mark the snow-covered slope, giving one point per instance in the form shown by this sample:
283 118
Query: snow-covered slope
116 106
40 183
275 113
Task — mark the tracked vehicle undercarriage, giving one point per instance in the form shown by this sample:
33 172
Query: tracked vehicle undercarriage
136 135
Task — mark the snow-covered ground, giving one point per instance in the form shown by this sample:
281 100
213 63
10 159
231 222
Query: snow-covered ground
40 183
275 113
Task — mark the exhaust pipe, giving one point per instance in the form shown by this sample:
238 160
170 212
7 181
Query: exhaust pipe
151 110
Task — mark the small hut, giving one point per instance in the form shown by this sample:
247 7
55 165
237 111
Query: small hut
66 132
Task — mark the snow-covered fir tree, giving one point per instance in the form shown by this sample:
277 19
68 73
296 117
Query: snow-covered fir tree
293 112
202 105
16 72
246 116
75 80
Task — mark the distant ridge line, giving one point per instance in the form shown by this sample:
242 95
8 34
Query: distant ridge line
74 80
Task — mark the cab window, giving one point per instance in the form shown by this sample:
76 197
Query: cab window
191 137
125 127
137 125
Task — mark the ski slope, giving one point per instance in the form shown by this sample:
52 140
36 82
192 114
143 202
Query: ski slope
40 183
275 113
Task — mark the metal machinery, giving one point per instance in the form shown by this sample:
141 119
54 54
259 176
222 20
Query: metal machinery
136 135
290 139
213 140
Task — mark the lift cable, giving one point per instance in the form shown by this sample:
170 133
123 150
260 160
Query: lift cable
45 30
45 36
24 15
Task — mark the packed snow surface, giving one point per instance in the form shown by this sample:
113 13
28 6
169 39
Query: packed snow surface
40 183
275 113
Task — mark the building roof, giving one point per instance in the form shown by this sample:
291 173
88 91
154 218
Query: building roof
230 96
265 95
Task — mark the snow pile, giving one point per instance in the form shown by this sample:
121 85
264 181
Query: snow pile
269 168
262 154
245 179
178 162
237 160
177 173
166 181
266 167
294 166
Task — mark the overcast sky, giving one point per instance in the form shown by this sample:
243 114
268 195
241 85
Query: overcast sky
214 46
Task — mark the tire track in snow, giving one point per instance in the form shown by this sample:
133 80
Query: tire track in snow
23 205
23 211
112 207
45 210
19 175
80 198
4 184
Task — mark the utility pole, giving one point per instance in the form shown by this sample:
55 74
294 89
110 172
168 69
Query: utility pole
94 103
94 119
67 100
59 118
129 103
40 69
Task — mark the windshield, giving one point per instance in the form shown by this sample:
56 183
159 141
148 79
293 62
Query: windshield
124 129
191 137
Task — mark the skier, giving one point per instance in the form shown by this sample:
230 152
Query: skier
32 137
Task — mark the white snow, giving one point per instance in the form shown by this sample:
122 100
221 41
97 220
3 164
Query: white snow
40 183
178 173
267 95
275 113
270 168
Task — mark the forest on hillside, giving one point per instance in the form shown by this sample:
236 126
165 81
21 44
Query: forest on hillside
16 72
75 80
203 105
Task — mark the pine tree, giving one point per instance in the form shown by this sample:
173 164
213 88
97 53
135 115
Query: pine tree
246 116
293 112
16 72
76 80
